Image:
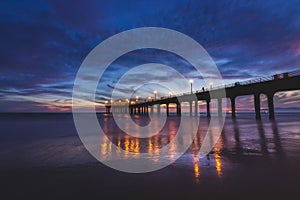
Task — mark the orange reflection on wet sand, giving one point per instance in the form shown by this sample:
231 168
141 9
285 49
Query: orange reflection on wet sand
119 146
136 146
156 149
218 164
126 145
104 147
150 145
196 168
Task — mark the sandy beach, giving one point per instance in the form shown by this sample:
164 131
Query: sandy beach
42 157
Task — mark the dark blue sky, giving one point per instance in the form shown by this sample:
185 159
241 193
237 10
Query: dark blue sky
44 42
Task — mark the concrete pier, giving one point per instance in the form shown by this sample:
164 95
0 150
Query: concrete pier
265 85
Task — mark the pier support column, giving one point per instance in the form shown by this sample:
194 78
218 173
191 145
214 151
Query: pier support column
208 108
220 107
139 110
158 109
107 111
196 108
257 106
178 109
271 105
167 108
232 99
135 108
191 108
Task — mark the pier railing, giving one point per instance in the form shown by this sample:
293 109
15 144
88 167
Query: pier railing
239 83
247 82
295 73
262 79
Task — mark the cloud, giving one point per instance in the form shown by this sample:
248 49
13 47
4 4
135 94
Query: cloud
44 43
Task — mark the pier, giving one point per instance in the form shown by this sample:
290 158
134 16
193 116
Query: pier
268 86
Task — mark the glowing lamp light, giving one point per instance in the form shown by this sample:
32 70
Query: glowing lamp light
155 92
191 82
211 85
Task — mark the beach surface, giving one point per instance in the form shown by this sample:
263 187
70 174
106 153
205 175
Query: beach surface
42 157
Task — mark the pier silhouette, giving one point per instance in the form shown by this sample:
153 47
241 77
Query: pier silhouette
268 86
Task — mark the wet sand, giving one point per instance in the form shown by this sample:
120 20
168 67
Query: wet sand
43 158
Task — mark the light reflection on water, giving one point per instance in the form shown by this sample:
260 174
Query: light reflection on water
238 140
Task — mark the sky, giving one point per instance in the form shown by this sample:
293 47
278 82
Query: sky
43 44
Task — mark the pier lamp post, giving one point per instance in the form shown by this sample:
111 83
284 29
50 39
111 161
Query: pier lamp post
155 92
137 98
149 98
211 85
191 82
170 94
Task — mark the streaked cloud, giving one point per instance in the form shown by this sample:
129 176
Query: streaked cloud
43 43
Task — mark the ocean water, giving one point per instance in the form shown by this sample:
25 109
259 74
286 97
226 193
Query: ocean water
42 156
